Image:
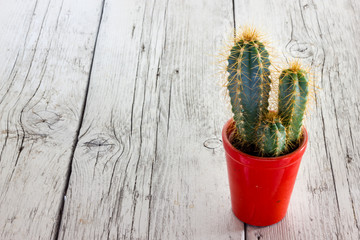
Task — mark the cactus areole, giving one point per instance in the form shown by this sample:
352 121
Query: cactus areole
263 147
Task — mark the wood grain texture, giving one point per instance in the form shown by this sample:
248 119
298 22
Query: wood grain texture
45 54
325 201
141 170
116 104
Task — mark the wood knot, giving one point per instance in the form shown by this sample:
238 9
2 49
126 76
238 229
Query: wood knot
301 50
258 235
99 144
47 119
318 189
349 158
212 143
148 197
41 124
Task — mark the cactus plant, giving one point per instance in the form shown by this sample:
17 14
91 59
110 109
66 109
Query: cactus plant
257 130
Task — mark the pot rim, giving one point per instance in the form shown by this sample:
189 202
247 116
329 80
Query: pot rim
226 141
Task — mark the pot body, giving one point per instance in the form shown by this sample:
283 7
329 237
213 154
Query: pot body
261 187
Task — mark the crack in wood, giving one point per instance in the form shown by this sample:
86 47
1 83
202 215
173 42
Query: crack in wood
329 158
334 105
57 19
135 192
137 74
30 23
12 80
352 199
303 19
6 137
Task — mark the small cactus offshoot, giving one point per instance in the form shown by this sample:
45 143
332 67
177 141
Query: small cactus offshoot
271 136
258 130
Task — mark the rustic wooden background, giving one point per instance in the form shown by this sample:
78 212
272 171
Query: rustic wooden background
111 118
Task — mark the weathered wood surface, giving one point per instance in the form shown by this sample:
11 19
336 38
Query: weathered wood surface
140 165
115 105
45 54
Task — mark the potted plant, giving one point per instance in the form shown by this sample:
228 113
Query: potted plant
263 147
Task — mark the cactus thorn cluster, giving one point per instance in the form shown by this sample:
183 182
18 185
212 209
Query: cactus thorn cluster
249 83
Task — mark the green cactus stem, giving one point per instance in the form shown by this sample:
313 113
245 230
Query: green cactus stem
248 83
293 98
271 136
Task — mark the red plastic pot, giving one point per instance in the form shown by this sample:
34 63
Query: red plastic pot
260 187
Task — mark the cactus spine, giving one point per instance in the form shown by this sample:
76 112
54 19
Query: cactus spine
257 129
293 97
248 84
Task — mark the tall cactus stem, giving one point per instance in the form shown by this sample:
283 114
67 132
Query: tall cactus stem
248 84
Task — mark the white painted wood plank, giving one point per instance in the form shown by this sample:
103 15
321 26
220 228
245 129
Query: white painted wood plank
45 55
100 198
140 169
193 177
325 201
